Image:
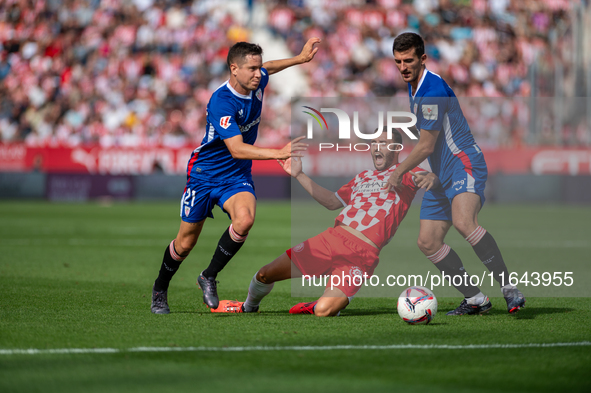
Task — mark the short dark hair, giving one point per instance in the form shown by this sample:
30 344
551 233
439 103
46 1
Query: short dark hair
406 41
238 52
396 137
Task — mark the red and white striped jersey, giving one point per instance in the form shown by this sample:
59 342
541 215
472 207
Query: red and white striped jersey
371 211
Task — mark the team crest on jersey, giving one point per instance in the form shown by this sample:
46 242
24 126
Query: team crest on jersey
187 210
430 112
225 122
355 271
415 110
259 94
299 247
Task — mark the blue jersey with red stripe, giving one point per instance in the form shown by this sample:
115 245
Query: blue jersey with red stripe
229 113
437 109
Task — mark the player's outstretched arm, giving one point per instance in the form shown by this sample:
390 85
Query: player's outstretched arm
421 151
327 198
306 55
245 151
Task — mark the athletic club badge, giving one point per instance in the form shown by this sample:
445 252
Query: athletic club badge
187 210
430 112
259 94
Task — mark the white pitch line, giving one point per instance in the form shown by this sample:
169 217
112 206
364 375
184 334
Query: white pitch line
33 351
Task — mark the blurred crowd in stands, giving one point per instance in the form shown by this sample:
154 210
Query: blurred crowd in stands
140 72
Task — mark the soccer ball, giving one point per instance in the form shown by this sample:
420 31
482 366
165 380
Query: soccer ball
417 305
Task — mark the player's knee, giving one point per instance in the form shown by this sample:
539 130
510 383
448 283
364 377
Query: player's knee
428 246
262 276
465 226
184 245
326 310
243 223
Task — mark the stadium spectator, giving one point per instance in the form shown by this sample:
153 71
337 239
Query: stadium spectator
54 54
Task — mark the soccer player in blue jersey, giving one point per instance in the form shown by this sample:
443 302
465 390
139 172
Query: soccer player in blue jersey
219 171
445 139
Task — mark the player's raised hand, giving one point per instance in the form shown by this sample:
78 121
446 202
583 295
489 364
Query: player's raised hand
426 180
293 149
309 51
292 166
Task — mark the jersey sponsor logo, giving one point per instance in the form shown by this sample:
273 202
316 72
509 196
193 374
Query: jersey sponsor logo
259 94
250 125
225 122
299 247
370 186
430 112
247 184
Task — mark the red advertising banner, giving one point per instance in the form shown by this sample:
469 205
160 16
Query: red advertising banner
538 161
106 161
140 161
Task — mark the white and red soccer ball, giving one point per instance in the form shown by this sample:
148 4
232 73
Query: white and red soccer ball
417 305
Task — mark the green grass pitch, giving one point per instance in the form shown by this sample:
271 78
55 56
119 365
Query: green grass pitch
80 276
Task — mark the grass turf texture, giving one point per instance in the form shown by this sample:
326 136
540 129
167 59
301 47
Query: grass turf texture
80 276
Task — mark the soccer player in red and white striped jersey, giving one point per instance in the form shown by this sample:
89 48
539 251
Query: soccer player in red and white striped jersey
368 220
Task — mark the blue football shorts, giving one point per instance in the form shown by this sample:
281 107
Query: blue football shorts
200 197
468 174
